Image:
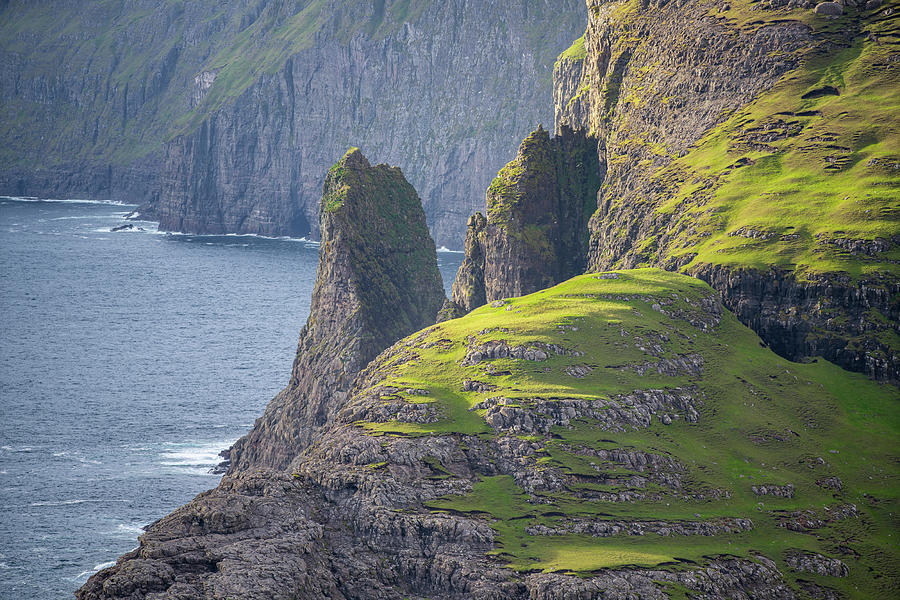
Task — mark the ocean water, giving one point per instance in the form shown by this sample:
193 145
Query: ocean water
128 361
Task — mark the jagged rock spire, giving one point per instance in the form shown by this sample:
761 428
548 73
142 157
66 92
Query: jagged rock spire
377 282
535 233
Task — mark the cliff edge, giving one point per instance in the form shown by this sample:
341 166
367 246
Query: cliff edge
620 435
757 150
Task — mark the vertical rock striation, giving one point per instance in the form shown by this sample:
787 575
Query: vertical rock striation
223 118
535 233
377 281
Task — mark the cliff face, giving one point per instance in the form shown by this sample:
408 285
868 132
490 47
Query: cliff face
535 233
377 281
230 114
603 438
744 151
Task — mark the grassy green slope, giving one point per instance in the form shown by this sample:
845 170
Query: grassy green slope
763 420
806 167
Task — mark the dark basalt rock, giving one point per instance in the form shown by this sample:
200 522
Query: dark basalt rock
798 318
377 282
535 234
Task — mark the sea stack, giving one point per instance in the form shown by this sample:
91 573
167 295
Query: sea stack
535 234
377 282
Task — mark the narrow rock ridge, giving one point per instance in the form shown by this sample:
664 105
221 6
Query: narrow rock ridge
377 281
535 233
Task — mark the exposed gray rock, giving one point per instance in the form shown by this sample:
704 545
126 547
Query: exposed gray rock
812 562
579 371
617 413
778 491
602 528
723 578
497 349
807 520
377 281
831 9
690 364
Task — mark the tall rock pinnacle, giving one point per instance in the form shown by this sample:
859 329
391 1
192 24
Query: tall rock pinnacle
377 282
535 234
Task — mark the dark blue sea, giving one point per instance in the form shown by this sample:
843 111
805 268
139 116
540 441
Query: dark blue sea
128 361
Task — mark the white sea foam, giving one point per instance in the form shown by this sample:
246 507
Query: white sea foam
60 502
446 249
88 573
65 200
127 530
83 217
66 455
193 458
283 238
19 449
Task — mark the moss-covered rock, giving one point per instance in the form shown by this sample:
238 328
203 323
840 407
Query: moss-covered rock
377 282
535 233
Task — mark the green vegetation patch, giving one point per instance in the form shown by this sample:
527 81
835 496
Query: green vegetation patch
805 177
762 421
575 52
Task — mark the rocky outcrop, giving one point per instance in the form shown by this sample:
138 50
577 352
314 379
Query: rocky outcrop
351 516
535 233
812 562
830 315
430 469
377 281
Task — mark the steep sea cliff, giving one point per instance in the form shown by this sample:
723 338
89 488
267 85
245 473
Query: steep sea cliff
620 433
223 118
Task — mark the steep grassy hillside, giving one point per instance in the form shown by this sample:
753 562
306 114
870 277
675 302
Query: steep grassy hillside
806 177
657 432
757 149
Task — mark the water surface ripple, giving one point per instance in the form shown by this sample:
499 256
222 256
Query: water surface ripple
128 360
